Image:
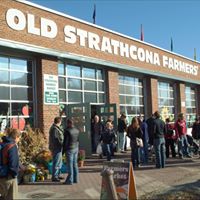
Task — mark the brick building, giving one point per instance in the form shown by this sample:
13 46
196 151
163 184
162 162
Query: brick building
52 63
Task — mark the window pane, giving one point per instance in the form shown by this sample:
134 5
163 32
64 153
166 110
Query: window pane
19 78
121 89
62 82
21 94
4 77
89 73
101 98
129 80
4 109
90 85
90 97
17 64
73 71
74 83
4 93
22 109
100 74
3 63
122 99
100 86
61 69
75 96
62 96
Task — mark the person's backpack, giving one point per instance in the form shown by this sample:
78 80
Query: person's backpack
4 148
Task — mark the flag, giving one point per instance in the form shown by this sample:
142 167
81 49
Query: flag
195 55
94 14
172 48
142 34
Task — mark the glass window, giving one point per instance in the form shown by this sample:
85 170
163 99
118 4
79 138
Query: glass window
3 63
21 94
74 83
75 96
131 96
73 71
62 82
190 102
78 84
17 64
61 69
166 100
16 72
4 93
90 97
89 73
90 85
19 78
62 96
4 77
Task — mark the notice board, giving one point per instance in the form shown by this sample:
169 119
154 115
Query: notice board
124 181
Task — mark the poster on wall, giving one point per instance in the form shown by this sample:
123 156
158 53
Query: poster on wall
50 89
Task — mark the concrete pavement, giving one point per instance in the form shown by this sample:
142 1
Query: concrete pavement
150 182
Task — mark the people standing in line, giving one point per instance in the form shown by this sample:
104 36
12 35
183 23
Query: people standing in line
181 132
196 129
134 131
122 131
149 122
8 184
170 138
56 138
96 131
145 138
108 138
159 130
71 148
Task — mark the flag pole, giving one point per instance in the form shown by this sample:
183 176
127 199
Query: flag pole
94 14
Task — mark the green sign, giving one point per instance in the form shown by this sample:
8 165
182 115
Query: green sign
50 89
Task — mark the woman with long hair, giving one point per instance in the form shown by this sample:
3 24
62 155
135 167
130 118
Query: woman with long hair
135 133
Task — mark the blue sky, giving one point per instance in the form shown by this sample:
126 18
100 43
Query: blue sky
161 20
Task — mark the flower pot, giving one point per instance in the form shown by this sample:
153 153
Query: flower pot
81 163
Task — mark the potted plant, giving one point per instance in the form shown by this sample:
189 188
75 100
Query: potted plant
81 157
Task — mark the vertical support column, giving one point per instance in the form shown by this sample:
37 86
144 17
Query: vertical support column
151 96
181 98
113 89
45 113
197 93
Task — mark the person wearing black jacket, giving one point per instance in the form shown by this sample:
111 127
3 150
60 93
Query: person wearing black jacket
134 132
108 139
8 184
122 131
56 139
159 130
71 147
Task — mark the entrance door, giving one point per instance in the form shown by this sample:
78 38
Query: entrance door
108 111
80 114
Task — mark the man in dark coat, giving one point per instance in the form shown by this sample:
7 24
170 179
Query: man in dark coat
159 130
56 139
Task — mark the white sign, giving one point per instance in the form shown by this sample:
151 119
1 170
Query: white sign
51 89
72 35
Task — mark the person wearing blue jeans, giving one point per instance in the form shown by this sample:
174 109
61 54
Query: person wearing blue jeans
71 147
159 146
56 139
183 146
159 130
72 156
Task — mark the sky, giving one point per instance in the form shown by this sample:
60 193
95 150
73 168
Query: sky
161 20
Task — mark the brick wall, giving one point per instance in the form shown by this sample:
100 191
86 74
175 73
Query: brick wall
113 89
181 98
45 113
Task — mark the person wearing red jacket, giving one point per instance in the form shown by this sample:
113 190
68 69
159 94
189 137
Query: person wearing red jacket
170 138
181 131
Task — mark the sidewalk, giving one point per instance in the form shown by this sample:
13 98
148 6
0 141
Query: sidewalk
149 181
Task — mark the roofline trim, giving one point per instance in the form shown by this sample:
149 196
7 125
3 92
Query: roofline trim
61 54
